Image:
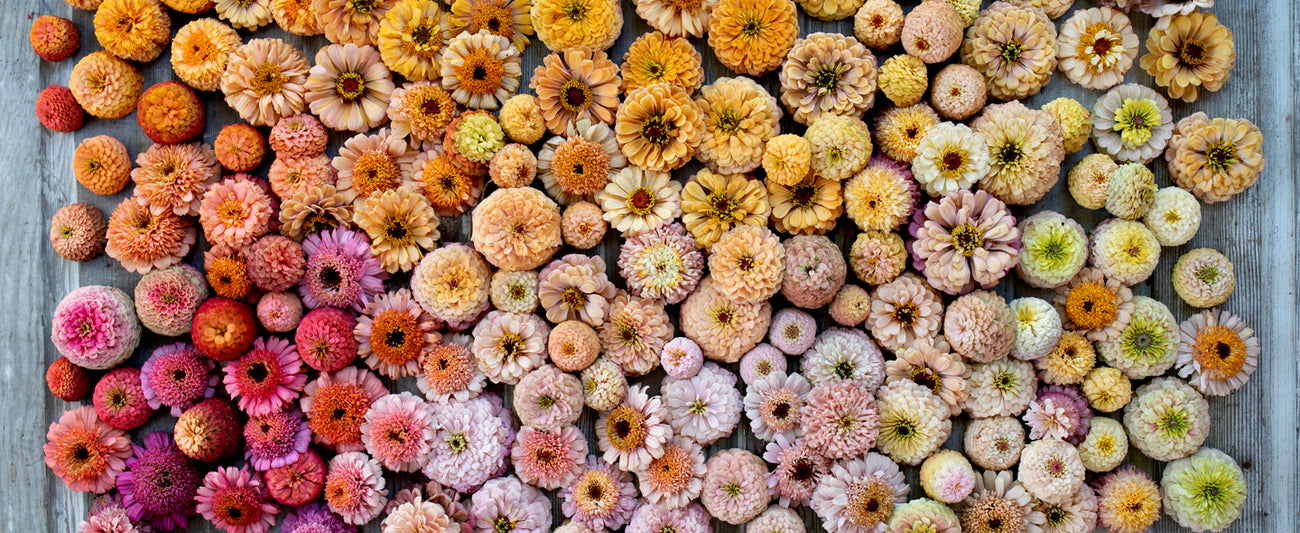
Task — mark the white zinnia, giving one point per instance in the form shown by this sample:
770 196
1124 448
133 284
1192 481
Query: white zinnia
951 157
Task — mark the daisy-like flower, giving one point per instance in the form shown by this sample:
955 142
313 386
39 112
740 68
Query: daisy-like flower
1167 419
336 405
1128 501
659 127
1094 306
858 495
340 271
931 366
401 224
1077 514
349 88
471 444
714 203
549 459
724 329
447 372
235 500
828 73
506 503
657 58
355 488
266 378
807 207
603 497
398 431
774 405
752 36
735 490
949 158
580 164
276 439
508 346
480 70
898 131
844 354
578 84
634 433
1205 492
739 118
636 201
1014 46
689 18
663 263
1000 388
703 408
964 239
449 189
904 311
575 288
84 452
159 484
1096 47
371 164
914 422
507 18
1217 352
799 469
235 212
995 442
1188 53
1132 123
411 36
840 419
675 478
1000 503
1215 159
264 81
421 110
393 333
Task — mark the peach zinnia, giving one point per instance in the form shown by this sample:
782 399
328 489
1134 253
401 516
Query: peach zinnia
480 70
578 84
659 127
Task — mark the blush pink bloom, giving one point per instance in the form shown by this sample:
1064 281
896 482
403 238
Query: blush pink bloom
276 439
355 488
963 240
841 419
398 431
235 212
549 459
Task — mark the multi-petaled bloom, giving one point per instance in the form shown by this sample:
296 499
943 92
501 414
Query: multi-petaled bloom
448 371
398 431
663 263
412 36
1026 148
577 166
1188 53
576 84
340 272
451 283
1132 123
480 70
506 503
704 408
914 422
828 73
841 419
858 495
1217 352
752 36
603 497
735 487
264 81
964 239
235 500
508 346
159 484
336 404
714 203
355 488
636 200
633 433
471 443
393 333
276 439
932 366
1096 47
84 452
1014 46
349 88
549 459
267 377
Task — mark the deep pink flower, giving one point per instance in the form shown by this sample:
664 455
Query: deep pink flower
177 376
266 378
119 399
276 439
235 500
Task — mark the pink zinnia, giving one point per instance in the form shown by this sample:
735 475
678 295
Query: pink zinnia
95 327
735 486
398 431
108 515
859 495
177 376
774 404
84 452
354 488
119 400
634 433
761 362
299 135
651 518
548 399
336 405
549 459
792 331
603 497
505 504
234 500
298 482
341 272
279 312
235 212
276 439
314 517
159 484
840 419
681 358
1076 412
704 408
276 263
325 339
798 470
471 444
266 378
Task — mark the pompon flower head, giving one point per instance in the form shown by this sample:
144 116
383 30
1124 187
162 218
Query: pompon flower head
792 331
240 147
659 127
724 329
655 57
580 164
776 519
1038 328
603 497
923 515
703 408
636 201
1107 389
325 339
1189 53
78 232
1204 492
878 23
928 363
297 483
904 311
1125 250
200 51
840 419
355 488
159 484
508 346
119 400
1096 47
815 270
514 291
276 263
266 378
447 372
949 158
349 87
350 391
752 36
223 329
735 487
135 30
449 189
583 225
1089 180
913 422
633 433
573 345
1132 123
235 500
681 357
417 515
105 86
1215 159
980 326
411 36
347 22
95 327
506 503
882 197
421 110
635 333
471 444
298 17
1000 503
1070 361
1204 277
1174 217
828 73
761 362
994 443
398 431
747 263
177 376
575 287
1130 191
963 239
877 257
300 135
68 382
932 32
1094 305
514 165
264 81
787 159
567 24
340 271
1051 471
1167 419
576 85
548 399
54 38
174 178
714 203
1014 47
947 477
603 385
480 70
1026 149
774 405
1217 352
859 495
227 273
958 92
314 517
550 459
847 354
740 117
235 212
517 228
1001 388
84 452
452 284
101 164
1128 501
521 120
841 146
170 112
1053 249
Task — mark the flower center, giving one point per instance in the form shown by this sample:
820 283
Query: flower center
658 130
575 10
925 377
1091 306
1220 351
457 442
573 298
1135 121
802 195
1011 51
843 370
1191 53
268 80
375 171
827 78
870 503
625 428
722 206
1010 154
952 162
905 314
1174 423
480 73
967 238
641 201
1220 156
575 95
350 87
751 27
1005 382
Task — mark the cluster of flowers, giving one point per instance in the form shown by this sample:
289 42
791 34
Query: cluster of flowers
324 283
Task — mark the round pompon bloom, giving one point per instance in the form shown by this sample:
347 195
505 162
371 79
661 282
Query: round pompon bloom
564 25
1106 446
1130 191
326 340
740 117
1074 120
840 419
1026 148
1132 123
78 232
1053 249
573 346
601 498
550 459
735 490
1051 471
1147 346
815 270
1125 250
752 36
1174 217
1107 389
1038 328
603 385
859 495
1097 47
235 500
506 502
1000 503
105 86
913 421
1167 419
514 165
949 158
633 433
68 382
300 135
354 488
923 515
1204 492
1014 47
1217 352
212 431
705 407
932 32
135 30
175 178
724 329
958 92
1128 501
1089 180
947 477
1059 413
882 197
635 334
879 23
952 232
877 257
851 306
235 212
264 81
844 354
508 346
54 38
177 376
452 284
398 431
828 73
787 159
792 331
517 228
1189 53
548 399
1204 278
1001 388
980 326
95 327
659 127
762 361
84 452
747 263
201 51
583 225
160 484
841 146
58 110
1215 159
336 405
101 165
448 372
119 400
994 443
1094 306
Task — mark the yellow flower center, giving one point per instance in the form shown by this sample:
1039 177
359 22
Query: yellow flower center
625 428
641 201
268 79
1135 121
575 95
966 238
350 87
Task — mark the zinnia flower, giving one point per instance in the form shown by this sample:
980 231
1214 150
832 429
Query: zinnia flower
1188 53
266 378
236 501
516 228
1004 387
1000 503
174 177
1014 46
1025 148
550 459
135 30
336 404
177 376
1167 419
841 419
354 488
1203 277
400 223
471 443
636 201
264 81
914 422
1053 249
1215 159
393 334
84 452
664 263
548 399
507 18
235 212
774 405
576 167
1094 305
808 207
349 87
980 326
995 442
201 51
568 24
964 239
705 407
633 433
752 36
411 37
735 490
1218 352
714 203
933 367
276 440
448 371
1096 47
1051 471
858 495
658 127
1132 123
160 484
1205 492
451 283
245 14
340 270
657 58
1128 501
506 502
602 498
579 84
844 354
95 327
828 73
398 431
903 311
480 70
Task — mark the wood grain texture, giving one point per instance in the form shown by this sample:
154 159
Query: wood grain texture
1257 230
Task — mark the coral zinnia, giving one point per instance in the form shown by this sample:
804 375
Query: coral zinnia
119 400
84 452
175 177
354 488
398 431
452 284
143 241
266 378
236 501
336 405
633 433
841 419
724 329
577 166
516 228
77 232
105 86
101 165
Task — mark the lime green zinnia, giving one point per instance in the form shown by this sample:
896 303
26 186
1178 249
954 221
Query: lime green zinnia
478 137
1204 492
1135 121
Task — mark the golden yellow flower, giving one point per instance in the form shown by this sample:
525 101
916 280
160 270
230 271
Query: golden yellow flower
508 18
296 17
903 79
830 9
400 224
411 38
200 52
136 30
449 189
809 207
521 119
677 18
659 127
787 159
190 7
1215 158
714 203
899 130
352 21
739 118
565 24
576 85
657 58
752 36
1195 51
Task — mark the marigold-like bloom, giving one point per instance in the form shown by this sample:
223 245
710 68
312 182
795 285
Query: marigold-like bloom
879 23
841 146
898 130
394 333
658 127
517 228
451 283
913 422
411 37
101 165
105 86
752 36
143 241
739 118
724 329
957 247
1204 278
136 30
859 495
951 157
1130 191
747 264
933 31
84 452
903 79
567 24
514 291
1107 389
1025 148
1094 305
371 164
1190 53
578 85
298 17
787 159
958 92
77 232
264 81
292 176
1217 158
579 165
200 52
1132 123
448 372
658 58
1217 352
1106 445
1174 217
174 177
1074 120
349 87
713 203
980 326
1014 47
1125 250
1096 47
877 258
828 73
583 225
401 224
1128 501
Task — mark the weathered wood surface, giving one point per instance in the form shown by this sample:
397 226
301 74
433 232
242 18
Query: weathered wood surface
1257 230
